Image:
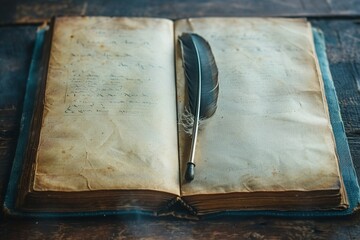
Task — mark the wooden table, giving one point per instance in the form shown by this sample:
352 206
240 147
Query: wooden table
340 21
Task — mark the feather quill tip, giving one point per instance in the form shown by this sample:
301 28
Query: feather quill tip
190 171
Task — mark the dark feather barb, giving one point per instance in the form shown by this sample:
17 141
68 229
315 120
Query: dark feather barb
201 75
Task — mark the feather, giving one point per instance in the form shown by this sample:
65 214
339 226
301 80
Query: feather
201 75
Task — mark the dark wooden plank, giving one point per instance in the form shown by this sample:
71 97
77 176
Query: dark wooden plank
39 10
151 228
354 144
342 48
16 44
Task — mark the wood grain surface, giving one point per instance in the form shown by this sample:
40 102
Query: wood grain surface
16 44
23 11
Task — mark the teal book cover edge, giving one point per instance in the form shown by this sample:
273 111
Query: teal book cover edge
345 162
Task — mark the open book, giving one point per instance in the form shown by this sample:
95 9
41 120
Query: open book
106 132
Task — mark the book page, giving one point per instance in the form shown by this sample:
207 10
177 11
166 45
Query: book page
271 130
109 119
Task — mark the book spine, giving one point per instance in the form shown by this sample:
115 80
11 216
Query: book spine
26 121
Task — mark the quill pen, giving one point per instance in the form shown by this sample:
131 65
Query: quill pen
201 75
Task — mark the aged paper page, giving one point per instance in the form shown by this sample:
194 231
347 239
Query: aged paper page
109 119
271 131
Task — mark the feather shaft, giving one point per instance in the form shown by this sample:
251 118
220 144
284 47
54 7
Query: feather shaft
190 171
